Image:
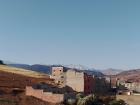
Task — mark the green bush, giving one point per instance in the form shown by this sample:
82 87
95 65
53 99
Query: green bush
117 102
88 100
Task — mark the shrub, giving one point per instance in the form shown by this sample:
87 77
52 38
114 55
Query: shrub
117 102
1 62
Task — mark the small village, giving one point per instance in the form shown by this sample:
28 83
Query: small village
70 82
69 52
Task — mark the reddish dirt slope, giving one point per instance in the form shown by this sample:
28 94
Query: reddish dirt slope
131 75
12 88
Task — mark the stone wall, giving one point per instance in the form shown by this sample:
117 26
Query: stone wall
130 99
45 96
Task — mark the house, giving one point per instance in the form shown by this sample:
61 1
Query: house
134 86
59 75
129 85
80 81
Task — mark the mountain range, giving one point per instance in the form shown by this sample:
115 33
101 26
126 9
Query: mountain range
111 71
133 75
47 68
130 75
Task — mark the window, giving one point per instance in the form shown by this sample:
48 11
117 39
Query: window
62 76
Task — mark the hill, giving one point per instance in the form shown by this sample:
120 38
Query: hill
111 71
47 68
15 77
24 72
130 75
13 82
37 67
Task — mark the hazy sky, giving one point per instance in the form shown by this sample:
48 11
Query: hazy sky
95 33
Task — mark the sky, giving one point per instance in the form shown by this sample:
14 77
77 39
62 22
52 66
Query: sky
96 33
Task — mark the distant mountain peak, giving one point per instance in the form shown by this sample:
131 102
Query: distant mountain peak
79 67
111 71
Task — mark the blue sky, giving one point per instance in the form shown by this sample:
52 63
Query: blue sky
95 33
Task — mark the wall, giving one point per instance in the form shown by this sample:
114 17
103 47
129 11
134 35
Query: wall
45 96
89 84
75 80
131 99
58 73
101 86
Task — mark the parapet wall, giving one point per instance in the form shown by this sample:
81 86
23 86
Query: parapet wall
45 96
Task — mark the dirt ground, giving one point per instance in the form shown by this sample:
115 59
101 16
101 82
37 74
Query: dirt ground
12 89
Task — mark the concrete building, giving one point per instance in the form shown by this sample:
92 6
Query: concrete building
77 80
80 81
134 86
102 86
59 75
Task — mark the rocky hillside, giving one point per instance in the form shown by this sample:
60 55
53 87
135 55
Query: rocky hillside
131 75
111 71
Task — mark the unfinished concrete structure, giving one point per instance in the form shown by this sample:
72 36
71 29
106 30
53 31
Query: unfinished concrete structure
77 80
80 81
59 75
134 86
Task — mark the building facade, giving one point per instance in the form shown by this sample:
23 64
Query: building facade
59 75
80 81
76 80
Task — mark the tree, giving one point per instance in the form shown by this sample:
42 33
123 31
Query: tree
79 95
1 62
117 102
88 100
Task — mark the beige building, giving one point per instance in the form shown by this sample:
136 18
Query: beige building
79 81
75 80
59 75
134 86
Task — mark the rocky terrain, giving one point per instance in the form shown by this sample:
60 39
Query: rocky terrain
130 75
111 71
